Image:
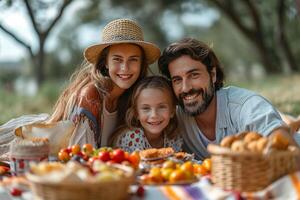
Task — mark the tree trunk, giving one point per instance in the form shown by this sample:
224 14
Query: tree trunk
40 72
269 66
286 50
254 33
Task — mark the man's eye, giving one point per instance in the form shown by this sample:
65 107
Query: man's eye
194 75
176 81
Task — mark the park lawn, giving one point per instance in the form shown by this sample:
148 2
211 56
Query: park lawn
282 91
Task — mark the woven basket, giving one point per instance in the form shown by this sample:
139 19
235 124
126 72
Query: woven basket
249 171
108 190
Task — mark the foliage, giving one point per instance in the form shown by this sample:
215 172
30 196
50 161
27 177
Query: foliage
38 13
282 91
273 88
266 24
13 105
232 45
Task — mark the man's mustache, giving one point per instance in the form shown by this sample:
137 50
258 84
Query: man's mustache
191 92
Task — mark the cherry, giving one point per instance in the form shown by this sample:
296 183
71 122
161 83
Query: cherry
15 192
140 191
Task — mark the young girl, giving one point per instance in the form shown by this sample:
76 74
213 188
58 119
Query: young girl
151 120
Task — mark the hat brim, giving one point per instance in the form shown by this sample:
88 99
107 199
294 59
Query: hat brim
152 52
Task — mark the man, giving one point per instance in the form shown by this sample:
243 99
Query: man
208 112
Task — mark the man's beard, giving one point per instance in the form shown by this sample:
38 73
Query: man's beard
197 107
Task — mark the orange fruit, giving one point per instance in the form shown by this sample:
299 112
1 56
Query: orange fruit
155 175
166 172
200 169
207 164
177 175
189 175
187 166
169 164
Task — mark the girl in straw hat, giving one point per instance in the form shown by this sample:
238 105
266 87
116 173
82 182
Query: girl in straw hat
97 97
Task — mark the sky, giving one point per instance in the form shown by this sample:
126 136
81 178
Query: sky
17 21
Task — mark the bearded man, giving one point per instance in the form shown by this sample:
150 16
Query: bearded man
207 111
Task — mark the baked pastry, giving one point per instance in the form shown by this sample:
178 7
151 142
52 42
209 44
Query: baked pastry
154 157
183 156
156 154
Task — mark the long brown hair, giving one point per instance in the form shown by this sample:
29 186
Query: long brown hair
156 82
98 75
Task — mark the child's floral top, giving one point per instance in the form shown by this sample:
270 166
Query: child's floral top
135 139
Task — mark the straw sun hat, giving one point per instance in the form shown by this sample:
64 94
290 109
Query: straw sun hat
122 31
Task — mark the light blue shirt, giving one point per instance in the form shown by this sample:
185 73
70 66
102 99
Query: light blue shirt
237 110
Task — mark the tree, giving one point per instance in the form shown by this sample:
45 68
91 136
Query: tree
265 24
256 20
42 26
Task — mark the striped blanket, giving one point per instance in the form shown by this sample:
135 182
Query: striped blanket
288 187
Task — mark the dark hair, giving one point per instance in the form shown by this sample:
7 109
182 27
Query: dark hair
156 82
197 50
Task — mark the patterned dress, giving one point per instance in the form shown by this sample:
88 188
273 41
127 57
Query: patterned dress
135 139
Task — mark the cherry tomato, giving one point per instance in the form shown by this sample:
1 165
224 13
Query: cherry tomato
15 192
140 191
67 150
126 155
87 148
104 156
63 156
134 159
118 155
92 159
75 149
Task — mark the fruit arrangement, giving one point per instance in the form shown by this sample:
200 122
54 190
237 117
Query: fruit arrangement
255 142
73 172
171 172
87 153
77 181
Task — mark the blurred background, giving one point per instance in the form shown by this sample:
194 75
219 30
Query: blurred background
41 44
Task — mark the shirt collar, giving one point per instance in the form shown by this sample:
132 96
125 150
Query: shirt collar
222 108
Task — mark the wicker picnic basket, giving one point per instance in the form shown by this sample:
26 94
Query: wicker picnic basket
249 171
108 190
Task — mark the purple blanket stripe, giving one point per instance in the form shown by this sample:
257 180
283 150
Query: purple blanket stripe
195 192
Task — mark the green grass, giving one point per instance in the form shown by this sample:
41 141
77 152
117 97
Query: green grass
13 105
282 91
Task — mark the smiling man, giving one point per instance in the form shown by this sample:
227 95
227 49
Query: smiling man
207 111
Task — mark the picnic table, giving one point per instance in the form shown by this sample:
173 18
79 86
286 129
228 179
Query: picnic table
286 187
